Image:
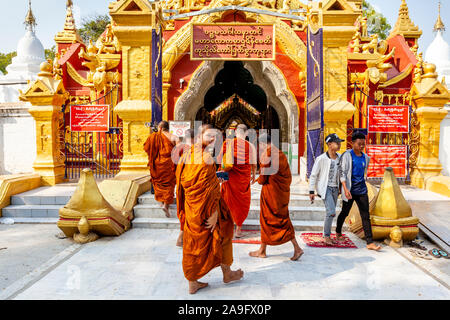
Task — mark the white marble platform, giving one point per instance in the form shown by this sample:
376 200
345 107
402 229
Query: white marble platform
146 264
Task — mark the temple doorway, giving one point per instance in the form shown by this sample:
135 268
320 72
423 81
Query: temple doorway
235 99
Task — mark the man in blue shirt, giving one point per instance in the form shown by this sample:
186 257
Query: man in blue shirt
354 164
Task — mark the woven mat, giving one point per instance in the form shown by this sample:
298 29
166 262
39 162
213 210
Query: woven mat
316 240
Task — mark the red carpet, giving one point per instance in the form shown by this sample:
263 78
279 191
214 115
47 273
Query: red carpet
316 240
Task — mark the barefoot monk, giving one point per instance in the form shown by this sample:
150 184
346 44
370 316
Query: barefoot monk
177 153
238 158
275 178
208 226
159 147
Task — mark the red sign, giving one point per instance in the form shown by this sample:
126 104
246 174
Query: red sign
387 156
233 42
92 118
388 119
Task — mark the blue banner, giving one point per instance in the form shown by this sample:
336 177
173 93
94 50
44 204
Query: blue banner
314 97
156 76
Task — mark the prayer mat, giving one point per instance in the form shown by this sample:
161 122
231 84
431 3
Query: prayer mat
249 237
316 240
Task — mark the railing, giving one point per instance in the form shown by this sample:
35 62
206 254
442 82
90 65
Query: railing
102 152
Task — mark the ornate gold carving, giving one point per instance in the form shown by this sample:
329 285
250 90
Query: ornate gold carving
399 77
404 25
84 235
99 63
391 209
356 42
100 216
69 33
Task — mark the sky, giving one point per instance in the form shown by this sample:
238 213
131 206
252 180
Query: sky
50 16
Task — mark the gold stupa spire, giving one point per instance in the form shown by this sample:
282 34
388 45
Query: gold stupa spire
439 25
30 20
404 25
70 33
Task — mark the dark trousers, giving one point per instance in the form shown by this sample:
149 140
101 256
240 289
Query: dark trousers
362 201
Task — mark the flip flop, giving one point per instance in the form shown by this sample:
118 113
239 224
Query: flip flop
420 254
435 253
415 244
444 254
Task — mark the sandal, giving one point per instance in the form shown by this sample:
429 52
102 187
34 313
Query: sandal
420 254
339 237
415 244
435 253
444 254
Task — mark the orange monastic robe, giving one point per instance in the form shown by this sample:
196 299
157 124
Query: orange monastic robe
181 149
236 191
162 169
276 226
199 196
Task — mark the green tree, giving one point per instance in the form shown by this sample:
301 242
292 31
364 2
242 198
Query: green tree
377 23
5 60
50 53
93 26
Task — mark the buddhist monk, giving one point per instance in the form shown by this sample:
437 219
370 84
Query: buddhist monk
159 147
177 153
275 178
238 158
208 227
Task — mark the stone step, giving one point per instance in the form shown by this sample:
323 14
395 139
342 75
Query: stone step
31 211
39 200
296 200
296 213
21 220
249 224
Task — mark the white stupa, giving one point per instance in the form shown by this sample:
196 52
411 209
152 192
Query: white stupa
439 51
25 66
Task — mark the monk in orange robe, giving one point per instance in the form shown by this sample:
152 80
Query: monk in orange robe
208 227
238 158
177 153
275 178
158 147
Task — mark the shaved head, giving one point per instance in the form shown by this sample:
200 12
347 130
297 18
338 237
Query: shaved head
163 125
241 131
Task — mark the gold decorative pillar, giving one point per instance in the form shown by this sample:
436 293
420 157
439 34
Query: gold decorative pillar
134 21
336 115
47 95
429 97
165 94
338 30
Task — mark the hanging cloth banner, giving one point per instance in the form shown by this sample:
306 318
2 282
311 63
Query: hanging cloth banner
314 97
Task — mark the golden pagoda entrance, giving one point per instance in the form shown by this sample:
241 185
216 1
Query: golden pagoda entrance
234 98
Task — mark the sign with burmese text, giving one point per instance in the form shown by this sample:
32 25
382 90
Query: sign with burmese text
382 156
233 42
388 119
90 118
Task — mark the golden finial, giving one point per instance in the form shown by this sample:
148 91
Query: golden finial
70 33
30 20
404 25
439 25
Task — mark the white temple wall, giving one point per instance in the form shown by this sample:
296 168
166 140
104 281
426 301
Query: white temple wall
17 139
444 143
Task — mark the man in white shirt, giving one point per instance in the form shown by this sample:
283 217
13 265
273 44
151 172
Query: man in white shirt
324 178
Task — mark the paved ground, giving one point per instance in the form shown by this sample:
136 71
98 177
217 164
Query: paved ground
146 264
27 247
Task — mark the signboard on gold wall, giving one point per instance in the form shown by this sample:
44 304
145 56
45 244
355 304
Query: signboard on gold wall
226 41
